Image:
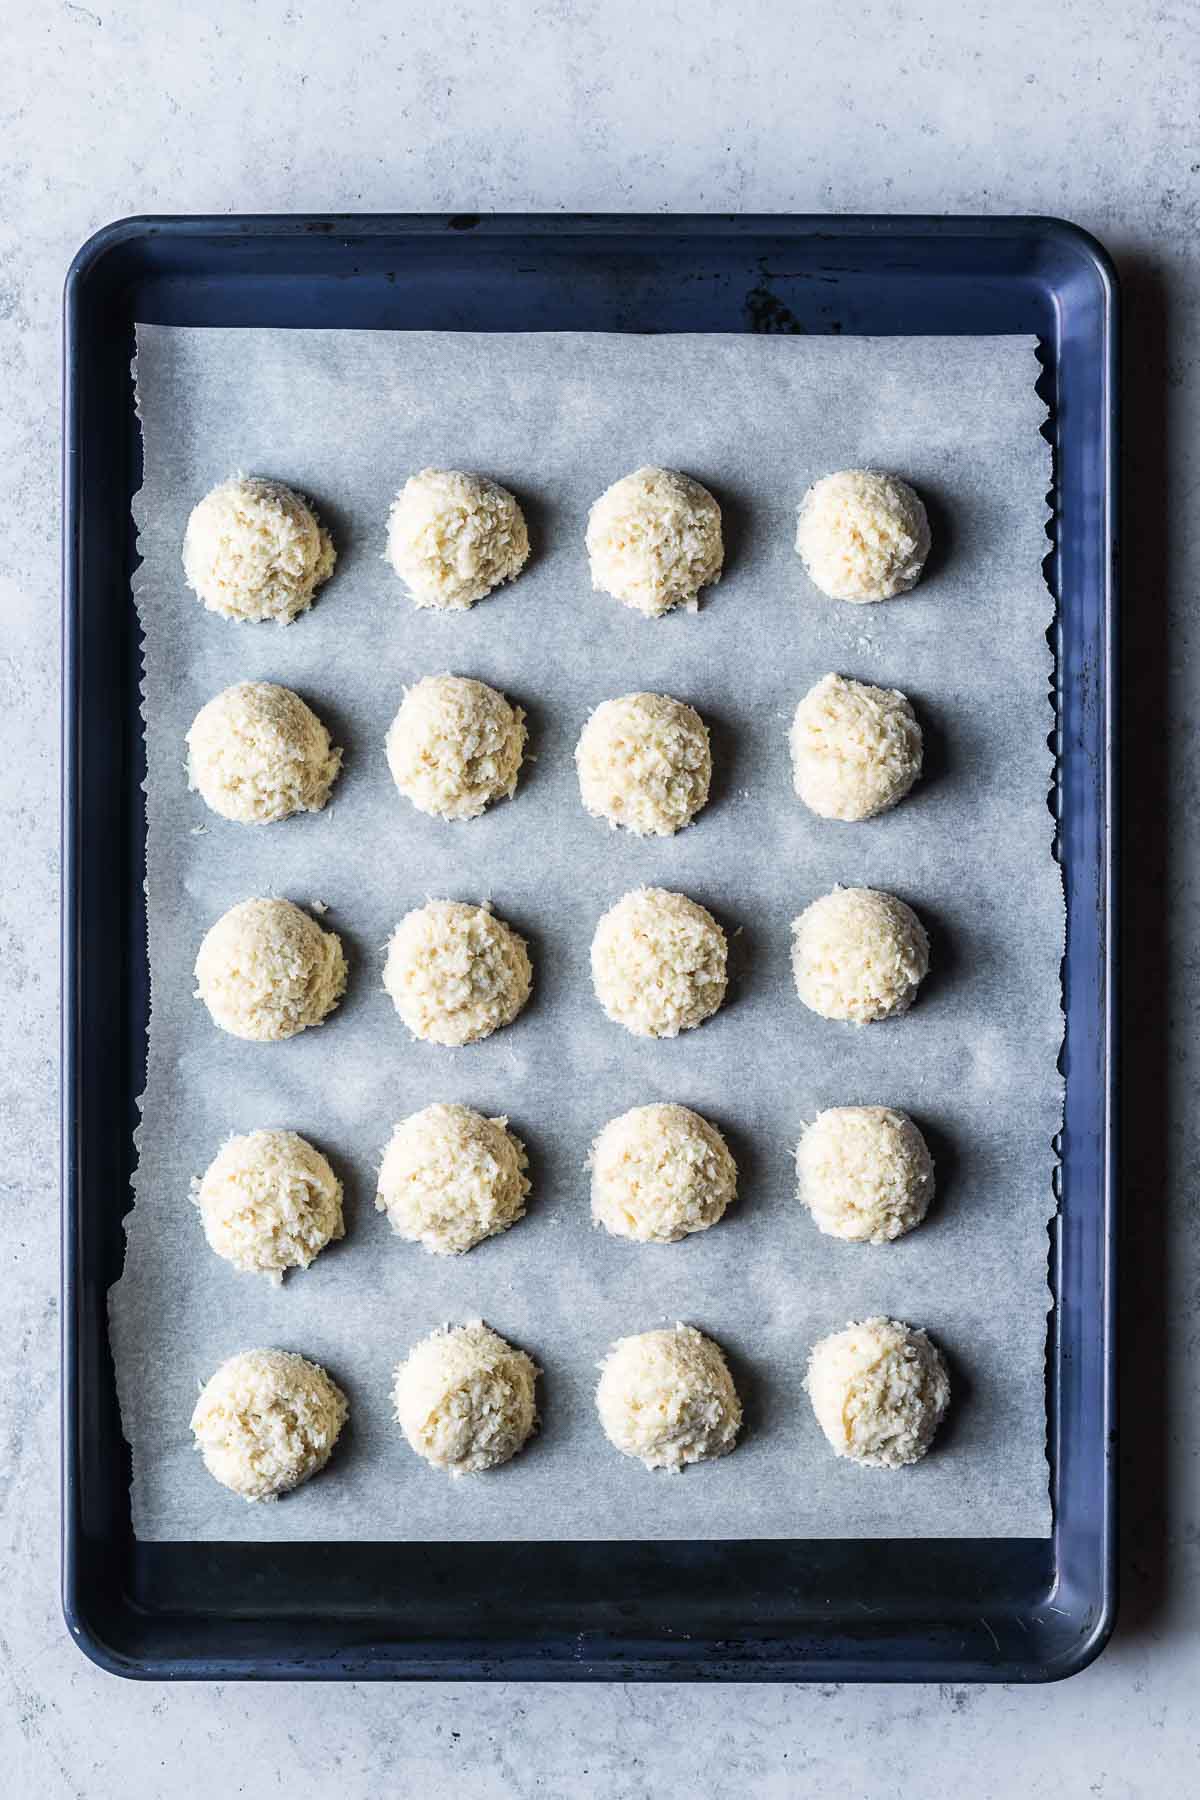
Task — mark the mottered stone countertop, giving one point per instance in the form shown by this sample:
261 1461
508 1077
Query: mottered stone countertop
1070 107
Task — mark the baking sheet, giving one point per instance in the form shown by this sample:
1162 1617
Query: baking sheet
345 416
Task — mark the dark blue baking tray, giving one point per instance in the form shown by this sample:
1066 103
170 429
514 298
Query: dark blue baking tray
976 1610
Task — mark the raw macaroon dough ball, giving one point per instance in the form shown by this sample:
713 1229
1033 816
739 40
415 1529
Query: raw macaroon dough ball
266 971
858 954
257 753
455 746
455 972
644 762
856 749
453 537
864 1173
451 1178
654 540
660 1172
269 1201
879 1390
667 1397
862 535
267 1421
255 550
465 1399
658 963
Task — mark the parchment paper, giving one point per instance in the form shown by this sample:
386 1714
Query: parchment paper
345 417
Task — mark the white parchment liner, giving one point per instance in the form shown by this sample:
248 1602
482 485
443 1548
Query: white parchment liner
345 417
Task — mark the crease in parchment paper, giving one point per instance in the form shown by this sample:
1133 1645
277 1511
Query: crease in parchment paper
344 417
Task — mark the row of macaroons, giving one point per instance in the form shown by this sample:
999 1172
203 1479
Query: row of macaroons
457 972
254 548
450 1178
466 1402
257 753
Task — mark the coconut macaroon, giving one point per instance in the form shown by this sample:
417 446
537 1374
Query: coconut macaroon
451 1177
668 1399
880 1390
856 749
465 1399
654 540
257 753
267 1421
862 535
858 954
455 746
658 963
269 1202
455 972
864 1173
255 550
266 971
453 537
659 1173
644 762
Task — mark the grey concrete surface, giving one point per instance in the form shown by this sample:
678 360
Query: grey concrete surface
1084 108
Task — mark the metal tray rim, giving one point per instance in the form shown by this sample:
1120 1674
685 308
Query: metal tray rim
632 1658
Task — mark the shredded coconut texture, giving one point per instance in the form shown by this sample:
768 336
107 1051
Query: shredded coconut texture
865 1173
667 1398
456 972
453 537
856 749
255 550
660 1172
858 954
879 1390
644 762
269 1201
267 1421
654 540
266 971
658 963
455 746
862 535
257 753
465 1399
451 1178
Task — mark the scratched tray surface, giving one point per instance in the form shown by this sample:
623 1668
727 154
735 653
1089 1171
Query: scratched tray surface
870 1610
